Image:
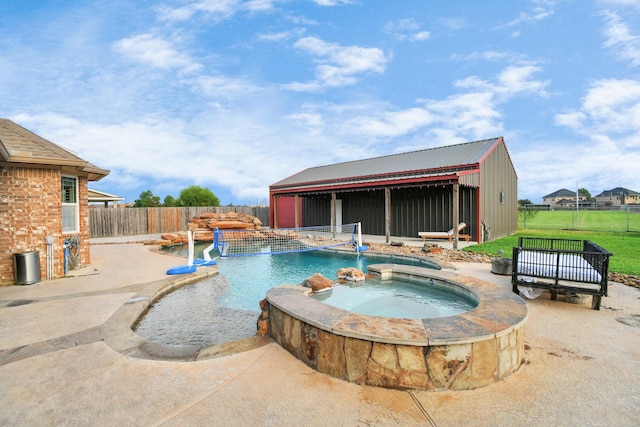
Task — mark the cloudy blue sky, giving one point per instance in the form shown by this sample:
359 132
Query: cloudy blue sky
234 95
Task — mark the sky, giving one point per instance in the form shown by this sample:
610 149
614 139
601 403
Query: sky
235 95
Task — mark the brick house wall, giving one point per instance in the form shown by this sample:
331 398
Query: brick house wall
31 210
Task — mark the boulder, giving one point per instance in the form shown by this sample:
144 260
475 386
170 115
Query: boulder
351 273
203 224
317 283
230 225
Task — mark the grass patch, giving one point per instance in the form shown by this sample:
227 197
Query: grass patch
625 247
614 220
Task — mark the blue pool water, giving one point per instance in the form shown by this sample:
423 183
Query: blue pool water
225 307
250 277
398 298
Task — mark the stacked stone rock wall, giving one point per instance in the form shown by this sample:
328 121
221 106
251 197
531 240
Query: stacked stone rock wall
202 226
463 366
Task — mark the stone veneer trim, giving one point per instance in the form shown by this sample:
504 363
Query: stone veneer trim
471 350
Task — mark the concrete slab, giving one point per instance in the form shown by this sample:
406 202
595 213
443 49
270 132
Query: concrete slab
582 366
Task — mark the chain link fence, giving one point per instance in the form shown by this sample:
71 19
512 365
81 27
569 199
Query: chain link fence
624 218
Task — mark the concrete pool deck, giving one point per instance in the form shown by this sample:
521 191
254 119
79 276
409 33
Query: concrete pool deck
582 367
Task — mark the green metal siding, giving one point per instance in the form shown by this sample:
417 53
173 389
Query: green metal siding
498 176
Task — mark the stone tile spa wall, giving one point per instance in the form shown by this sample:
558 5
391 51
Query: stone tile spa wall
463 352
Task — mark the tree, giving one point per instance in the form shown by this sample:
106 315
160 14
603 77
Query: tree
197 196
147 200
525 211
583 192
169 201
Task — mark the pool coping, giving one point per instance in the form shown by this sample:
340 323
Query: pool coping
498 313
118 331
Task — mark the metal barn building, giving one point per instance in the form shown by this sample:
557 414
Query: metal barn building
403 194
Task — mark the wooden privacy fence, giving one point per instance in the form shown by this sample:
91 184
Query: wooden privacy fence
110 222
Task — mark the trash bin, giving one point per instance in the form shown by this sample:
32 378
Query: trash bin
27 267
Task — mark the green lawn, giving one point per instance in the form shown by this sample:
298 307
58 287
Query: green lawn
625 247
583 220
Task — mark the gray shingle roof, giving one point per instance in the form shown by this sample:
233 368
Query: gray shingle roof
618 191
563 192
435 160
21 146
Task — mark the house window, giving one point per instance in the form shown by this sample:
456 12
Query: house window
502 197
69 204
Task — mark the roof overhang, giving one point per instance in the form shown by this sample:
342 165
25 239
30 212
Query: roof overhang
411 178
100 196
22 148
92 172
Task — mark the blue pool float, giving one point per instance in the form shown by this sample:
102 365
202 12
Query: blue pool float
183 269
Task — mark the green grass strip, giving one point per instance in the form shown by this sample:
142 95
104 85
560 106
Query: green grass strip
625 247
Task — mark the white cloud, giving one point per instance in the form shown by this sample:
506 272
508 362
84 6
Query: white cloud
471 115
225 149
620 2
574 119
543 9
597 164
420 36
514 79
332 2
406 24
225 87
608 121
454 24
610 107
619 37
155 51
338 65
489 55
406 29
259 5
310 120
216 10
390 124
281 35
181 100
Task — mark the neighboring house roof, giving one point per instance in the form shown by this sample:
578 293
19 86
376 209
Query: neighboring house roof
573 202
618 191
566 201
23 147
99 196
432 162
561 193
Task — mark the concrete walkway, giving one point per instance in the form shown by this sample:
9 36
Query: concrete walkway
57 368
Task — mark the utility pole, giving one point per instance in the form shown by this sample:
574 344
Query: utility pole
577 206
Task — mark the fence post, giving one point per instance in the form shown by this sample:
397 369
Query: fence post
628 227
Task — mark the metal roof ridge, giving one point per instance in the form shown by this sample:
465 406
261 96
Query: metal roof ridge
442 147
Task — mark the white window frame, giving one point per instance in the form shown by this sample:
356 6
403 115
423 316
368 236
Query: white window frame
74 207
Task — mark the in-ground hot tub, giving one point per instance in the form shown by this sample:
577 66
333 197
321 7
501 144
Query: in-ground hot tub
466 351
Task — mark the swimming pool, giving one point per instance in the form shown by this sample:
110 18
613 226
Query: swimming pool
473 349
398 298
225 307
